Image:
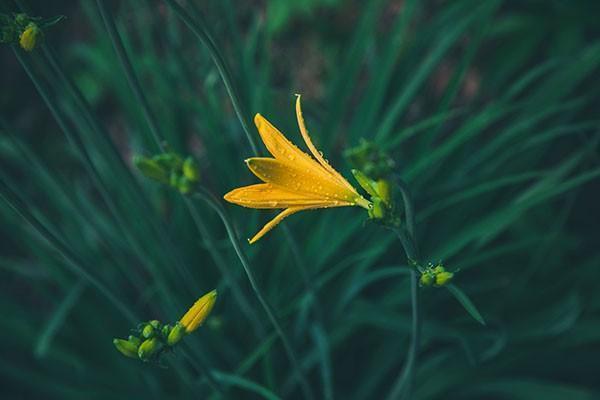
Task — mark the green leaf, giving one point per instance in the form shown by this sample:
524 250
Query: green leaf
464 300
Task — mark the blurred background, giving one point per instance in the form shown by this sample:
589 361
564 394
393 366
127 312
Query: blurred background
488 109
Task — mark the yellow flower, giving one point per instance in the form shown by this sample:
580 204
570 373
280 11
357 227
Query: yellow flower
30 37
294 181
198 312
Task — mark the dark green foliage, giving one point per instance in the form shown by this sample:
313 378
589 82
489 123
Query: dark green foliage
488 109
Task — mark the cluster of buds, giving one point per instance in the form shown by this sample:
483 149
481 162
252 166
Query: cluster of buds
380 190
370 159
25 30
170 169
435 275
150 340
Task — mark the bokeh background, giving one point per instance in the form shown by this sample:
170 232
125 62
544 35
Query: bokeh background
490 111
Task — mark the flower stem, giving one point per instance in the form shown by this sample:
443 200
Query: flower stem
404 381
206 196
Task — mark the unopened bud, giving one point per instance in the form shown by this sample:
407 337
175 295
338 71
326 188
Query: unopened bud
136 341
149 348
378 211
443 278
426 279
126 348
176 334
199 312
384 190
151 169
190 170
30 37
148 331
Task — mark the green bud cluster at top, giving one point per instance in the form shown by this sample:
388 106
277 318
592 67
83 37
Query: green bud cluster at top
372 169
150 340
170 169
370 159
380 190
25 30
435 275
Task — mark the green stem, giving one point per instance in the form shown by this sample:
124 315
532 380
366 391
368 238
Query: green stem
198 28
206 196
404 381
409 213
238 294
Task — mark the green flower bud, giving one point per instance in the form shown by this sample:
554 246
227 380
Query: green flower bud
169 161
379 209
30 37
126 348
176 334
384 190
134 340
155 324
426 279
149 348
443 278
148 331
190 170
166 329
151 169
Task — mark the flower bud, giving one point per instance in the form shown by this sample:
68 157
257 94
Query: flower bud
149 348
136 341
443 278
426 279
169 161
384 190
126 348
176 334
190 170
148 331
151 169
166 329
378 211
198 312
30 37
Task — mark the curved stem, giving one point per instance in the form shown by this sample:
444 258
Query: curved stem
230 278
206 196
404 381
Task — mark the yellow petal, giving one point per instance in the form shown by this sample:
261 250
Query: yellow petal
298 180
273 223
199 311
268 196
284 150
314 150
281 148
